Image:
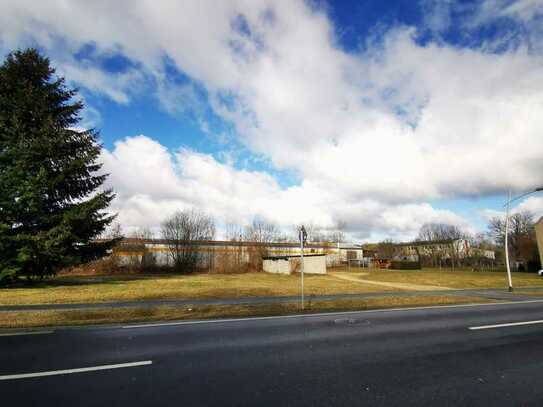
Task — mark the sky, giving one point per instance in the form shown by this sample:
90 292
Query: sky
380 116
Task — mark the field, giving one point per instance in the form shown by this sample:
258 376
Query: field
87 289
133 287
457 279
130 288
30 319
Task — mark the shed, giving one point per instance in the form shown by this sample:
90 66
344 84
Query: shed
313 264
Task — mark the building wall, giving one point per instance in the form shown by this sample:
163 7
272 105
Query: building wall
312 264
459 248
277 266
227 256
288 265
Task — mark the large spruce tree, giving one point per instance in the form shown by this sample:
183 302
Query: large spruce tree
51 200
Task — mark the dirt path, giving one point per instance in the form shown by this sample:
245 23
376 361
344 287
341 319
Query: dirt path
404 286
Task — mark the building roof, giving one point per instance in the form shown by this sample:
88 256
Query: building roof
126 241
426 242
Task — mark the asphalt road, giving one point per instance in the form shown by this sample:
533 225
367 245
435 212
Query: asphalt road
424 357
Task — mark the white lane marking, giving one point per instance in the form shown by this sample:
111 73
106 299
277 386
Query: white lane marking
324 314
476 328
26 333
70 371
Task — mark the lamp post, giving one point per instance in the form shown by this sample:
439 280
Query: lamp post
506 240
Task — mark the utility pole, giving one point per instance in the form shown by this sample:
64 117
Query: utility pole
303 238
506 243
506 240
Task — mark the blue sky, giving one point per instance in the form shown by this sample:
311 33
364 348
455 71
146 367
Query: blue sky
378 115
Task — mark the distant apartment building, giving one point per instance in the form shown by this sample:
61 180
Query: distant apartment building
439 249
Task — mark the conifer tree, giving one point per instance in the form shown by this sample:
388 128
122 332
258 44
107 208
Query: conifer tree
52 203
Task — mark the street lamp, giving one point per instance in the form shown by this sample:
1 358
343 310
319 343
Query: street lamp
506 243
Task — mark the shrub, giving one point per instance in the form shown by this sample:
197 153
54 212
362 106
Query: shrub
405 265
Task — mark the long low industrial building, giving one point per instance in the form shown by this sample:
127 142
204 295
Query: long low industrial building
227 255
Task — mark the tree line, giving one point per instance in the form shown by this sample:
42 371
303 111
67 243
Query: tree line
184 227
521 239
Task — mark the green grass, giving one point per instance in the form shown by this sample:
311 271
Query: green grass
32 319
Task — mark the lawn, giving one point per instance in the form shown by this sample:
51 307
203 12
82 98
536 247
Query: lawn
454 279
88 289
69 289
30 319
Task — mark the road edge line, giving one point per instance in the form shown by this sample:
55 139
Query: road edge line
76 370
212 321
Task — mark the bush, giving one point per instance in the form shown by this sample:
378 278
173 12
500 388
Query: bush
404 265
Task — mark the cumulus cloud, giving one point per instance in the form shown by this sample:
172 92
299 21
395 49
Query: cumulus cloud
152 182
372 134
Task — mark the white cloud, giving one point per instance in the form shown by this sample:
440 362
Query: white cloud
532 204
372 135
151 183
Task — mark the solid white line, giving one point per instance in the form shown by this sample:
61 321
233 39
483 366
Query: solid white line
70 371
26 333
476 328
324 314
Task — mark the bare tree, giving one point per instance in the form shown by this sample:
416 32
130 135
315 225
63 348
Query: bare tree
386 249
180 231
115 231
233 232
442 235
316 233
142 233
521 226
261 231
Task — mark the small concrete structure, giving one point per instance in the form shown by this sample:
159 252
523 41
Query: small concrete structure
313 264
539 236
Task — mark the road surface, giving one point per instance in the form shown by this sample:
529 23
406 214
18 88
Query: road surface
448 356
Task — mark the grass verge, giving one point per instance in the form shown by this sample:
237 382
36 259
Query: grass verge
459 279
152 287
32 319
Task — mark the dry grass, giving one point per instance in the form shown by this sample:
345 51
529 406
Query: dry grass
454 279
29 319
153 287
88 289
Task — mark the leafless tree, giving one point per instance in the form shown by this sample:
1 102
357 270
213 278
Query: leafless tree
115 231
337 235
143 233
261 231
316 233
521 225
449 236
233 232
386 249
431 232
181 230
